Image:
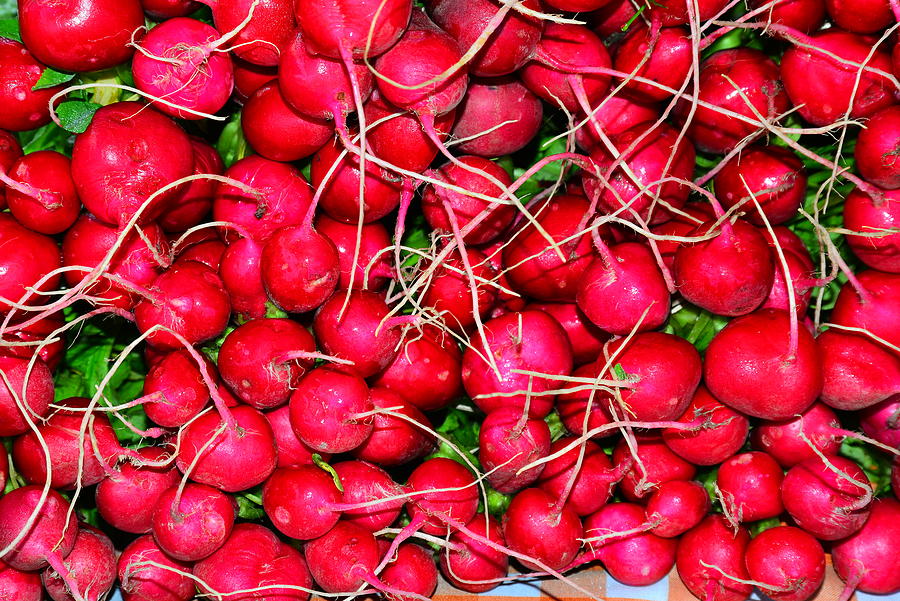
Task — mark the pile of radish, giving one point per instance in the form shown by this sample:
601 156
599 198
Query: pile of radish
344 297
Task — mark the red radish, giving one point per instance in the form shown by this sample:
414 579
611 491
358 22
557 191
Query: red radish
676 13
19 71
613 115
194 204
263 360
4 469
528 341
438 202
325 408
86 36
789 441
708 446
395 440
623 290
632 558
510 45
241 273
194 304
750 486
279 132
563 53
787 559
821 87
728 274
534 267
249 77
448 291
608 20
586 339
663 56
823 502
203 246
117 166
140 581
742 357
573 405
412 570
648 156
877 148
236 459
18 274
51 353
434 508
498 116
364 483
870 16
291 450
852 380
771 175
426 371
37 398
802 280
251 558
91 566
190 523
653 465
357 550
878 311
22 586
126 500
361 28
359 332
507 443
265 36
868 560
300 268
804 15
534 525
48 539
10 151
863 215
178 379
470 564
167 9
713 542
281 198
181 62
882 421
676 507
594 484
300 500
578 5
681 225
370 272
340 189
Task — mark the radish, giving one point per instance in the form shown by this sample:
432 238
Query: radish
445 492
18 274
498 116
771 175
326 408
607 21
36 381
180 61
86 36
364 483
395 440
91 566
536 526
160 10
471 565
10 151
190 523
789 561
267 33
254 558
676 12
126 499
863 215
573 405
676 507
873 306
710 560
372 267
750 487
613 115
797 439
26 108
300 500
177 377
249 77
281 198
823 502
362 28
507 443
208 251
708 446
803 282
743 356
277 131
47 540
585 338
263 360
427 370
299 267
188 298
168 581
632 558
545 272
804 15
411 569
663 55
591 488
193 205
116 165
867 560
821 87
291 450
865 17
359 555
38 330
241 273
225 458
852 380
653 465
526 341
23 586
882 421
448 292
876 148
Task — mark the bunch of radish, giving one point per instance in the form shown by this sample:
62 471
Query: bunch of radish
343 297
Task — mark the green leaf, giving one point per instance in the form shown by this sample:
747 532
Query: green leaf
232 144
48 137
497 502
461 428
75 116
324 466
757 528
554 421
695 325
250 506
9 28
51 78
875 464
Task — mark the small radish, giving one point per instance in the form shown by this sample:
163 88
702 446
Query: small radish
190 523
877 148
804 15
127 498
19 585
10 152
870 16
868 559
177 378
249 77
140 581
708 446
339 28
357 550
291 450
300 268
580 399
395 440
372 268
663 56
536 526
676 507
750 487
470 564
36 381
771 175
787 559
91 566
613 115
449 290
797 439
411 569
586 339
265 36
48 538
653 464
676 12
241 272
874 306
507 443
882 421
51 354
594 484
708 555
852 380
194 204
19 273
160 10
364 483
863 215
279 132
432 505
26 108
325 408
300 500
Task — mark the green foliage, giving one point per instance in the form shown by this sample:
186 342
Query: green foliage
9 28
250 505
874 463
76 115
48 137
697 326
51 78
461 428
232 144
